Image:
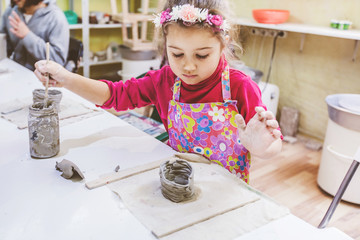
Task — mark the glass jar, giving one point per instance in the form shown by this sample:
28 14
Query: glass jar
43 125
53 96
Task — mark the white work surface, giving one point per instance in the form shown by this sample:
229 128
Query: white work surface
37 203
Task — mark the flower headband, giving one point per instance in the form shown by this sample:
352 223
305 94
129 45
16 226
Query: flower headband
191 15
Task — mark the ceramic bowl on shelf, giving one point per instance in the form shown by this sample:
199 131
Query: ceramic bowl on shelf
270 16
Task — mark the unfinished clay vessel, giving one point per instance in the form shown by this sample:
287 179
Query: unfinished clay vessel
43 125
177 180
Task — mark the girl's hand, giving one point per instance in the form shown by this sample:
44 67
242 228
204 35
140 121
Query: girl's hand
58 74
260 136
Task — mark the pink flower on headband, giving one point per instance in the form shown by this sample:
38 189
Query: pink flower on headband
216 20
188 13
165 16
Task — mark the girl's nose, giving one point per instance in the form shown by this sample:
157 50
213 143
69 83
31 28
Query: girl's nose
189 66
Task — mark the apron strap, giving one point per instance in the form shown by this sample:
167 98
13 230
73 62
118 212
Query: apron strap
176 89
225 82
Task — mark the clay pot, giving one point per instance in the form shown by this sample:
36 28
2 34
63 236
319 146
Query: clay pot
177 180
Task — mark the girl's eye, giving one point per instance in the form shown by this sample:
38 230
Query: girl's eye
202 56
177 55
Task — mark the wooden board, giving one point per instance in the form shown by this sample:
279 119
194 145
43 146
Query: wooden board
230 225
217 192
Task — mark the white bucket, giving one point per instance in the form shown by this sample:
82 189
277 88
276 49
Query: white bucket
339 148
340 145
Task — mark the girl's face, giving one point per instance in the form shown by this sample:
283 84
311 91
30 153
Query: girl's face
193 54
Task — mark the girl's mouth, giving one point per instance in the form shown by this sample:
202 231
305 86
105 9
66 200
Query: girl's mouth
189 76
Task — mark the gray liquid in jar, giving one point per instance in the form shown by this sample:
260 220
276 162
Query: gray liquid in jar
43 125
53 96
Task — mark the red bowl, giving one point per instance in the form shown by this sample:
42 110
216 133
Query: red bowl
270 16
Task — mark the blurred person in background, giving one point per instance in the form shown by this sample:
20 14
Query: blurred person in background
28 25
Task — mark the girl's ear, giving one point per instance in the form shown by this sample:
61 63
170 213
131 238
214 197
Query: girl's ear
227 39
225 43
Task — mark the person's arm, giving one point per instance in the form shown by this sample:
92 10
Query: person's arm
58 36
94 91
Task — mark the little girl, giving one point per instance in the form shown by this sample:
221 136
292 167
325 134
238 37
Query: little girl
206 107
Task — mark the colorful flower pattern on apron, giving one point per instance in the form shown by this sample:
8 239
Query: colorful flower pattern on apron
209 129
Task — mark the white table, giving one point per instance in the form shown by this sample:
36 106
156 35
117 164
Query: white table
37 203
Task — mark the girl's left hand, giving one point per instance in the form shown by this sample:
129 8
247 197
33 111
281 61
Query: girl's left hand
261 136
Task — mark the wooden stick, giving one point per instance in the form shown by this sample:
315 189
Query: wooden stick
47 75
113 177
124 174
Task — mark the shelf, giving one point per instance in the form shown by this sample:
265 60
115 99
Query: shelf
303 28
307 29
75 26
100 26
95 26
92 63
86 27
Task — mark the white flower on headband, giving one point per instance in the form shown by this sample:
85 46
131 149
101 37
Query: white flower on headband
190 15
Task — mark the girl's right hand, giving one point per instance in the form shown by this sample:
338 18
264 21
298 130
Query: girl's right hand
260 135
58 74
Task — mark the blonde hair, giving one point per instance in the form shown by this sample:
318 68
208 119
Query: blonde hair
227 39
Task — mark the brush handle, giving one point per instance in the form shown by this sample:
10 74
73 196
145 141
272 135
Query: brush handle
47 75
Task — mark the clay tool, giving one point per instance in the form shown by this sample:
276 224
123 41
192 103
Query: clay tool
125 173
102 181
47 75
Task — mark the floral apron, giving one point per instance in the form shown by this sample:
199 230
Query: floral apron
209 129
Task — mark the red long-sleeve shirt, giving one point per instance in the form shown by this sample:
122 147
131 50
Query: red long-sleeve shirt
156 88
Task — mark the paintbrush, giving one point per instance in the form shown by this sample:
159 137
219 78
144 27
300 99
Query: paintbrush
47 74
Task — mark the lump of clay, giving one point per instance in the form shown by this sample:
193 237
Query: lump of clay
68 168
177 180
